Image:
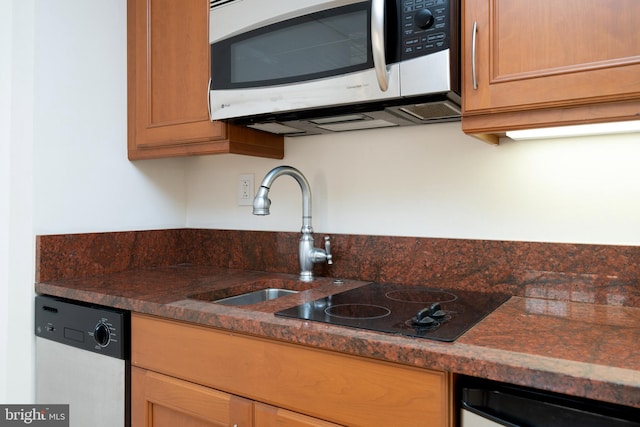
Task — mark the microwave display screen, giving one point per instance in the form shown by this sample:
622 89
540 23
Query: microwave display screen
317 45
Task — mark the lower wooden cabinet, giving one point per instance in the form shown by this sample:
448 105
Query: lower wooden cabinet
185 373
158 400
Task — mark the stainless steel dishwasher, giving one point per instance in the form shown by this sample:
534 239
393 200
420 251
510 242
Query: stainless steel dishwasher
82 359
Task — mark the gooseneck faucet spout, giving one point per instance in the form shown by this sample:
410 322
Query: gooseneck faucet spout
307 253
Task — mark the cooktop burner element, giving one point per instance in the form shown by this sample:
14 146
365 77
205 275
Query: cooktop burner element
415 311
357 311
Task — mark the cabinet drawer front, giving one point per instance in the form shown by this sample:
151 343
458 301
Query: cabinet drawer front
326 385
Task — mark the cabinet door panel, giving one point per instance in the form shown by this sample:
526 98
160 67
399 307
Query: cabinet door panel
559 37
546 54
177 57
172 71
159 401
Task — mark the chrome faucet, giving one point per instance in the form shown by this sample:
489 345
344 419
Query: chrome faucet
307 253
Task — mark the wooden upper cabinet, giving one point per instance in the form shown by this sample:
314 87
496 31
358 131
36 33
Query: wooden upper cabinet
168 76
547 62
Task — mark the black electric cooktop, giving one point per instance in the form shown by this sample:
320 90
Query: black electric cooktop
415 311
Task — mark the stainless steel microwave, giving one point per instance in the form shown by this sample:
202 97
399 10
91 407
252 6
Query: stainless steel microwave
303 67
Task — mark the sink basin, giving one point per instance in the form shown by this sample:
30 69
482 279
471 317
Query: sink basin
247 293
255 296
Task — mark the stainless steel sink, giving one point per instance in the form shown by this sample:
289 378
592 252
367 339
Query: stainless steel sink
255 296
253 292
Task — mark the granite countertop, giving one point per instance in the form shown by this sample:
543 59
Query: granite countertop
582 349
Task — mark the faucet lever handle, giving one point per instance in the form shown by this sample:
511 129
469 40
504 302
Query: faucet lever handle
327 249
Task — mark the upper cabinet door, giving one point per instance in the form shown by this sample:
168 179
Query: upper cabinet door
168 85
528 56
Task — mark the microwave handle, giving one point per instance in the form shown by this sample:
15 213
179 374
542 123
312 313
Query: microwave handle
377 43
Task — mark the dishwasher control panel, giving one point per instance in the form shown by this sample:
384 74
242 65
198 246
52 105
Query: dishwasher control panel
89 327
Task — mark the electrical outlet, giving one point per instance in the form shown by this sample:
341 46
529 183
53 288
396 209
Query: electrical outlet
245 189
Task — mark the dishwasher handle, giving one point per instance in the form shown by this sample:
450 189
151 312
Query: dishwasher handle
477 415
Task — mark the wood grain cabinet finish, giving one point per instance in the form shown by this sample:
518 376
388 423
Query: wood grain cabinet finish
289 385
271 416
168 76
546 62
162 401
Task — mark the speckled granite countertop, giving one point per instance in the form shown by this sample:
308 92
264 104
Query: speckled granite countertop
583 349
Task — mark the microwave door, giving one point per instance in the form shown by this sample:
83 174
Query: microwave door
236 17
317 60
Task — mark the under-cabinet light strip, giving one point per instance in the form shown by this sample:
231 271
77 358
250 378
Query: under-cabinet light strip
577 130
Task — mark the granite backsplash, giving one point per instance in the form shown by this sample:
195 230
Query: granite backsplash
601 274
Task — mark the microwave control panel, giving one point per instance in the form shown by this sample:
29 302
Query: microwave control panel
425 26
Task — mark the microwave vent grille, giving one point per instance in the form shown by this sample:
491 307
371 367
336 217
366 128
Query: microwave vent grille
433 110
217 3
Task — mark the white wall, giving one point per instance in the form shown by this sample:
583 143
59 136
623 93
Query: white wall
434 181
16 255
6 38
67 172
83 181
